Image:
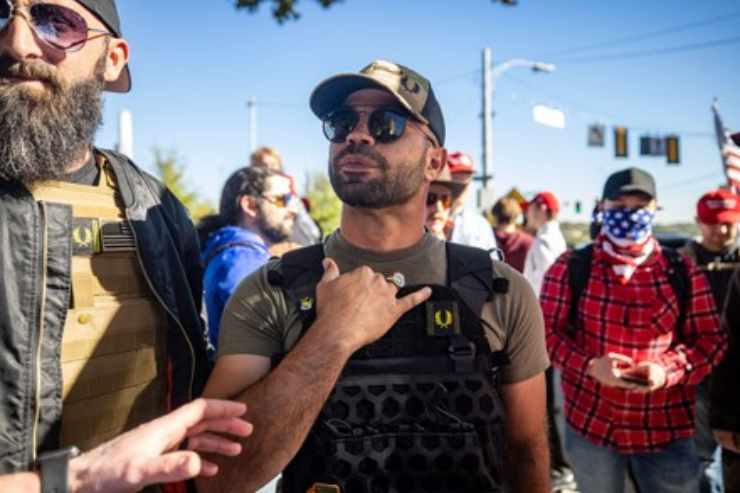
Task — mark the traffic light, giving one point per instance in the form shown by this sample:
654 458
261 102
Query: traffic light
620 142
596 135
672 149
578 206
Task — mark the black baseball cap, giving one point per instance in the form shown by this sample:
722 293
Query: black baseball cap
412 90
106 12
629 181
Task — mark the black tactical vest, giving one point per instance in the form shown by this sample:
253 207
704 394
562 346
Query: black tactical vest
420 409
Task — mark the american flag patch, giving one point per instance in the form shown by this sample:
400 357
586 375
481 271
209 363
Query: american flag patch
116 236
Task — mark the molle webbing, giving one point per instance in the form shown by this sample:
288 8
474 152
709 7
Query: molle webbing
418 410
113 345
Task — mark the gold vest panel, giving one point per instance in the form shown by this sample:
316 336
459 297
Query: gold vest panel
113 347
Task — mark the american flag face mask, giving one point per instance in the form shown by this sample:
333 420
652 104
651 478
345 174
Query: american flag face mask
626 227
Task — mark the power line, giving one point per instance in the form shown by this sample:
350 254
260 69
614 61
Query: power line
648 35
653 52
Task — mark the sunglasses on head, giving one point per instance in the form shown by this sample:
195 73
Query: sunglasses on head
384 124
280 201
444 198
58 26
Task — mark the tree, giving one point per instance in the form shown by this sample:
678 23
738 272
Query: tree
282 10
172 175
326 208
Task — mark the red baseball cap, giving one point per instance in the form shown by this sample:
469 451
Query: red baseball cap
548 199
718 206
461 166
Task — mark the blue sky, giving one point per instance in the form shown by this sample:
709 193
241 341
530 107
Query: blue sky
194 67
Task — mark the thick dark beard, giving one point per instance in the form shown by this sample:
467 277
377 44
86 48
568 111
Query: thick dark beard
274 233
42 134
394 187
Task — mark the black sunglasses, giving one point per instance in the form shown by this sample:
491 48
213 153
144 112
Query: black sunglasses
60 27
384 124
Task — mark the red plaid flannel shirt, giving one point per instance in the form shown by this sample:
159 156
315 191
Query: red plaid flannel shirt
638 320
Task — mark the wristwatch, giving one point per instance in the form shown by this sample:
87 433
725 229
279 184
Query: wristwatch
54 468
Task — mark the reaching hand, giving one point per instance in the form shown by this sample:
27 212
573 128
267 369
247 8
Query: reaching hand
361 306
149 454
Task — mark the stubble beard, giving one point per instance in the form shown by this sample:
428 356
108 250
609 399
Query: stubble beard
42 133
396 185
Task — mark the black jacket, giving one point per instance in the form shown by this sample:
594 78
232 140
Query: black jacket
725 398
33 306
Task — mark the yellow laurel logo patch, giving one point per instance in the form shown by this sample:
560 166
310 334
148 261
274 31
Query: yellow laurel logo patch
306 303
82 236
443 323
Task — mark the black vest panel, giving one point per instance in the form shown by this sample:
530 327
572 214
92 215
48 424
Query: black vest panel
418 411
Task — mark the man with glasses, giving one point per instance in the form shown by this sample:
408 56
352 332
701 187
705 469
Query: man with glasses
101 279
256 211
385 359
442 193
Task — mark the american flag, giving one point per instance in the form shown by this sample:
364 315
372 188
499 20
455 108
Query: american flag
731 169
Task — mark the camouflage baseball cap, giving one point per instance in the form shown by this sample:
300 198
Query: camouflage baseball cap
412 91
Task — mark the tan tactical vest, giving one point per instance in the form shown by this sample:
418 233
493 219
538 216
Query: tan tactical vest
113 347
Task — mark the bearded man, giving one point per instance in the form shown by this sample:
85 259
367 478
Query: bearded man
386 358
100 281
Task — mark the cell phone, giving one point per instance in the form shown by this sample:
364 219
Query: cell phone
636 379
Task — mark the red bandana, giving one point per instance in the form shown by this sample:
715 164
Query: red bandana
626 258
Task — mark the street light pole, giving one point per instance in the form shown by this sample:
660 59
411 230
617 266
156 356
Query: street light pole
252 106
490 74
487 116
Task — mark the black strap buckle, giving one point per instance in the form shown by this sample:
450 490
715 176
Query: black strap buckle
462 352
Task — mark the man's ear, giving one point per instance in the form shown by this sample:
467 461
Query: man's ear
248 206
115 59
437 160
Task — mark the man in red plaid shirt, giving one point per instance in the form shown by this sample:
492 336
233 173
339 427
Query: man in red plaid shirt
629 353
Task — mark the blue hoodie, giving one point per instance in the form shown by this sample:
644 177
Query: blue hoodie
234 253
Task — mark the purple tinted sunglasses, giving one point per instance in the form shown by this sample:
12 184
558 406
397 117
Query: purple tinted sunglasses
58 26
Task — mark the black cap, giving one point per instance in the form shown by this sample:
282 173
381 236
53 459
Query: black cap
412 90
106 12
629 181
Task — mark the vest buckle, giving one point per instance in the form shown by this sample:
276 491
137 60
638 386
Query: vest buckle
462 354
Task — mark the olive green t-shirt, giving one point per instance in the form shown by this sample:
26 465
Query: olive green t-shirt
259 319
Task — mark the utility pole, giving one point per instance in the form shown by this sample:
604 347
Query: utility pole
252 107
487 117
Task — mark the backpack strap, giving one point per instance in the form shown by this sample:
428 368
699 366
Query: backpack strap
579 272
215 253
470 273
678 277
300 272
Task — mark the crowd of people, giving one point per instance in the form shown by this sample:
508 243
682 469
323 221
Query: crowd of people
417 348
